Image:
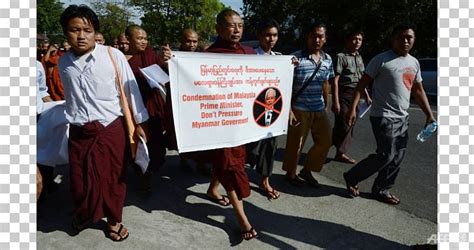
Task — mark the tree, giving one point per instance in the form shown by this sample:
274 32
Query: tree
164 20
48 14
114 17
375 17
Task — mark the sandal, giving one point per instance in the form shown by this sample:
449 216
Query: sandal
352 190
271 194
223 201
250 234
387 197
118 233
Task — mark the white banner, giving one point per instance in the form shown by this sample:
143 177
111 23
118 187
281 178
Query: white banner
226 100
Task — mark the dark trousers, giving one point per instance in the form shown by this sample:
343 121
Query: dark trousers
391 135
262 154
342 132
156 144
47 173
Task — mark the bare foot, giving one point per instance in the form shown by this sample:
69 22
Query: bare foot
344 158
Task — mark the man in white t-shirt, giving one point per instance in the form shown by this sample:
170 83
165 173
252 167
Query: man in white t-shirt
395 75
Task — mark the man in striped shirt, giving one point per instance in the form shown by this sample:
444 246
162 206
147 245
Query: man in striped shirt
309 108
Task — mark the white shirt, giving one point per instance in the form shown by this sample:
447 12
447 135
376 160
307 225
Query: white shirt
268 113
90 91
41 88
268 117
260 51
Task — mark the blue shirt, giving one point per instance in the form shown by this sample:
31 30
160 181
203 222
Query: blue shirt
311 99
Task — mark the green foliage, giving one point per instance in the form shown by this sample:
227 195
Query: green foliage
375 18
164 20
114 17
48 13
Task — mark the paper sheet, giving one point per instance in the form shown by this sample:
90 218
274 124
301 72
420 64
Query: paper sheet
156 78
52 135
142 157
364 107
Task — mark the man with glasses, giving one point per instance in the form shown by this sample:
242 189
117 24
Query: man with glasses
228 163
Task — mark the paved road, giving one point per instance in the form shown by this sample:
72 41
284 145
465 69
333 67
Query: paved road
416 184
178 216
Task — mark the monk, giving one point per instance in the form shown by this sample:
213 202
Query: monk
122 42
97 138
140 55
228 163
53 81
189 40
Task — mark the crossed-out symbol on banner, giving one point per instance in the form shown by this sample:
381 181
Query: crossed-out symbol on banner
267 108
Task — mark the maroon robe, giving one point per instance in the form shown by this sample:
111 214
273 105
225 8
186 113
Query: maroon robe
53 81
154 103
228 163
169 122
96 160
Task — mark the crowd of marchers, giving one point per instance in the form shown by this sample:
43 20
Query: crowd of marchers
84 72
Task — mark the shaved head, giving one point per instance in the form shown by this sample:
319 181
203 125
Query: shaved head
189 40
188 32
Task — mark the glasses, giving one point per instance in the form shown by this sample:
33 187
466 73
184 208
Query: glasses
234 25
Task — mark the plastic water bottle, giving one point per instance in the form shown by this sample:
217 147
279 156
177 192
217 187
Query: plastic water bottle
427 132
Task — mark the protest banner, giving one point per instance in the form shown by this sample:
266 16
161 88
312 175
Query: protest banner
226 100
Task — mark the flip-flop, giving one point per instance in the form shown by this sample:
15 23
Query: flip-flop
121 238
253 233
352 190
223 201
387 198
271 194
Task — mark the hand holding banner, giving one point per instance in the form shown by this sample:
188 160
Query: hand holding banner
226 100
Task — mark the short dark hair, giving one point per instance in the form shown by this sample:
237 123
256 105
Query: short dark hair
267 24
353 33
81 11
401 27
220 19
313 25
129 30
